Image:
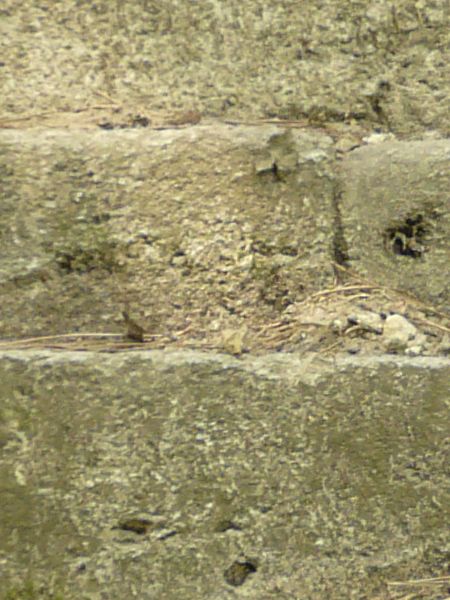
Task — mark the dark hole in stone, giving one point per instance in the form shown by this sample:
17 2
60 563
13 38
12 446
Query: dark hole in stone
261 247
289 251
237 573
273 172
139 526
101 218
140 121
227 525
407 238
106 125
167 535
276 172
65 262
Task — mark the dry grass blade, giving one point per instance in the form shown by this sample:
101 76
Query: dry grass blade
427 581
7 122
55 338
81 341
391 291
332 347
312 322
343 289
422 321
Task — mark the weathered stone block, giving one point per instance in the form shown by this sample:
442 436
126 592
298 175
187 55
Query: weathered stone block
395 211
196 225
181 475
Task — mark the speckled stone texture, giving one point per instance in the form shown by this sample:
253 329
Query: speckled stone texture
143 163
385 64
396 218
159 475
184 225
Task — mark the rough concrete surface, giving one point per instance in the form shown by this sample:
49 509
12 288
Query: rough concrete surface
150 475
183 224
380 63
395 216
216 228
265 179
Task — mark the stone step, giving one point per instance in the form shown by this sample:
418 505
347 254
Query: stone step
199 222
212 225
395 210
186 475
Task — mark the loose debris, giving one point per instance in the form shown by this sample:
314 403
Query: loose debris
431 588
358 316
135 332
